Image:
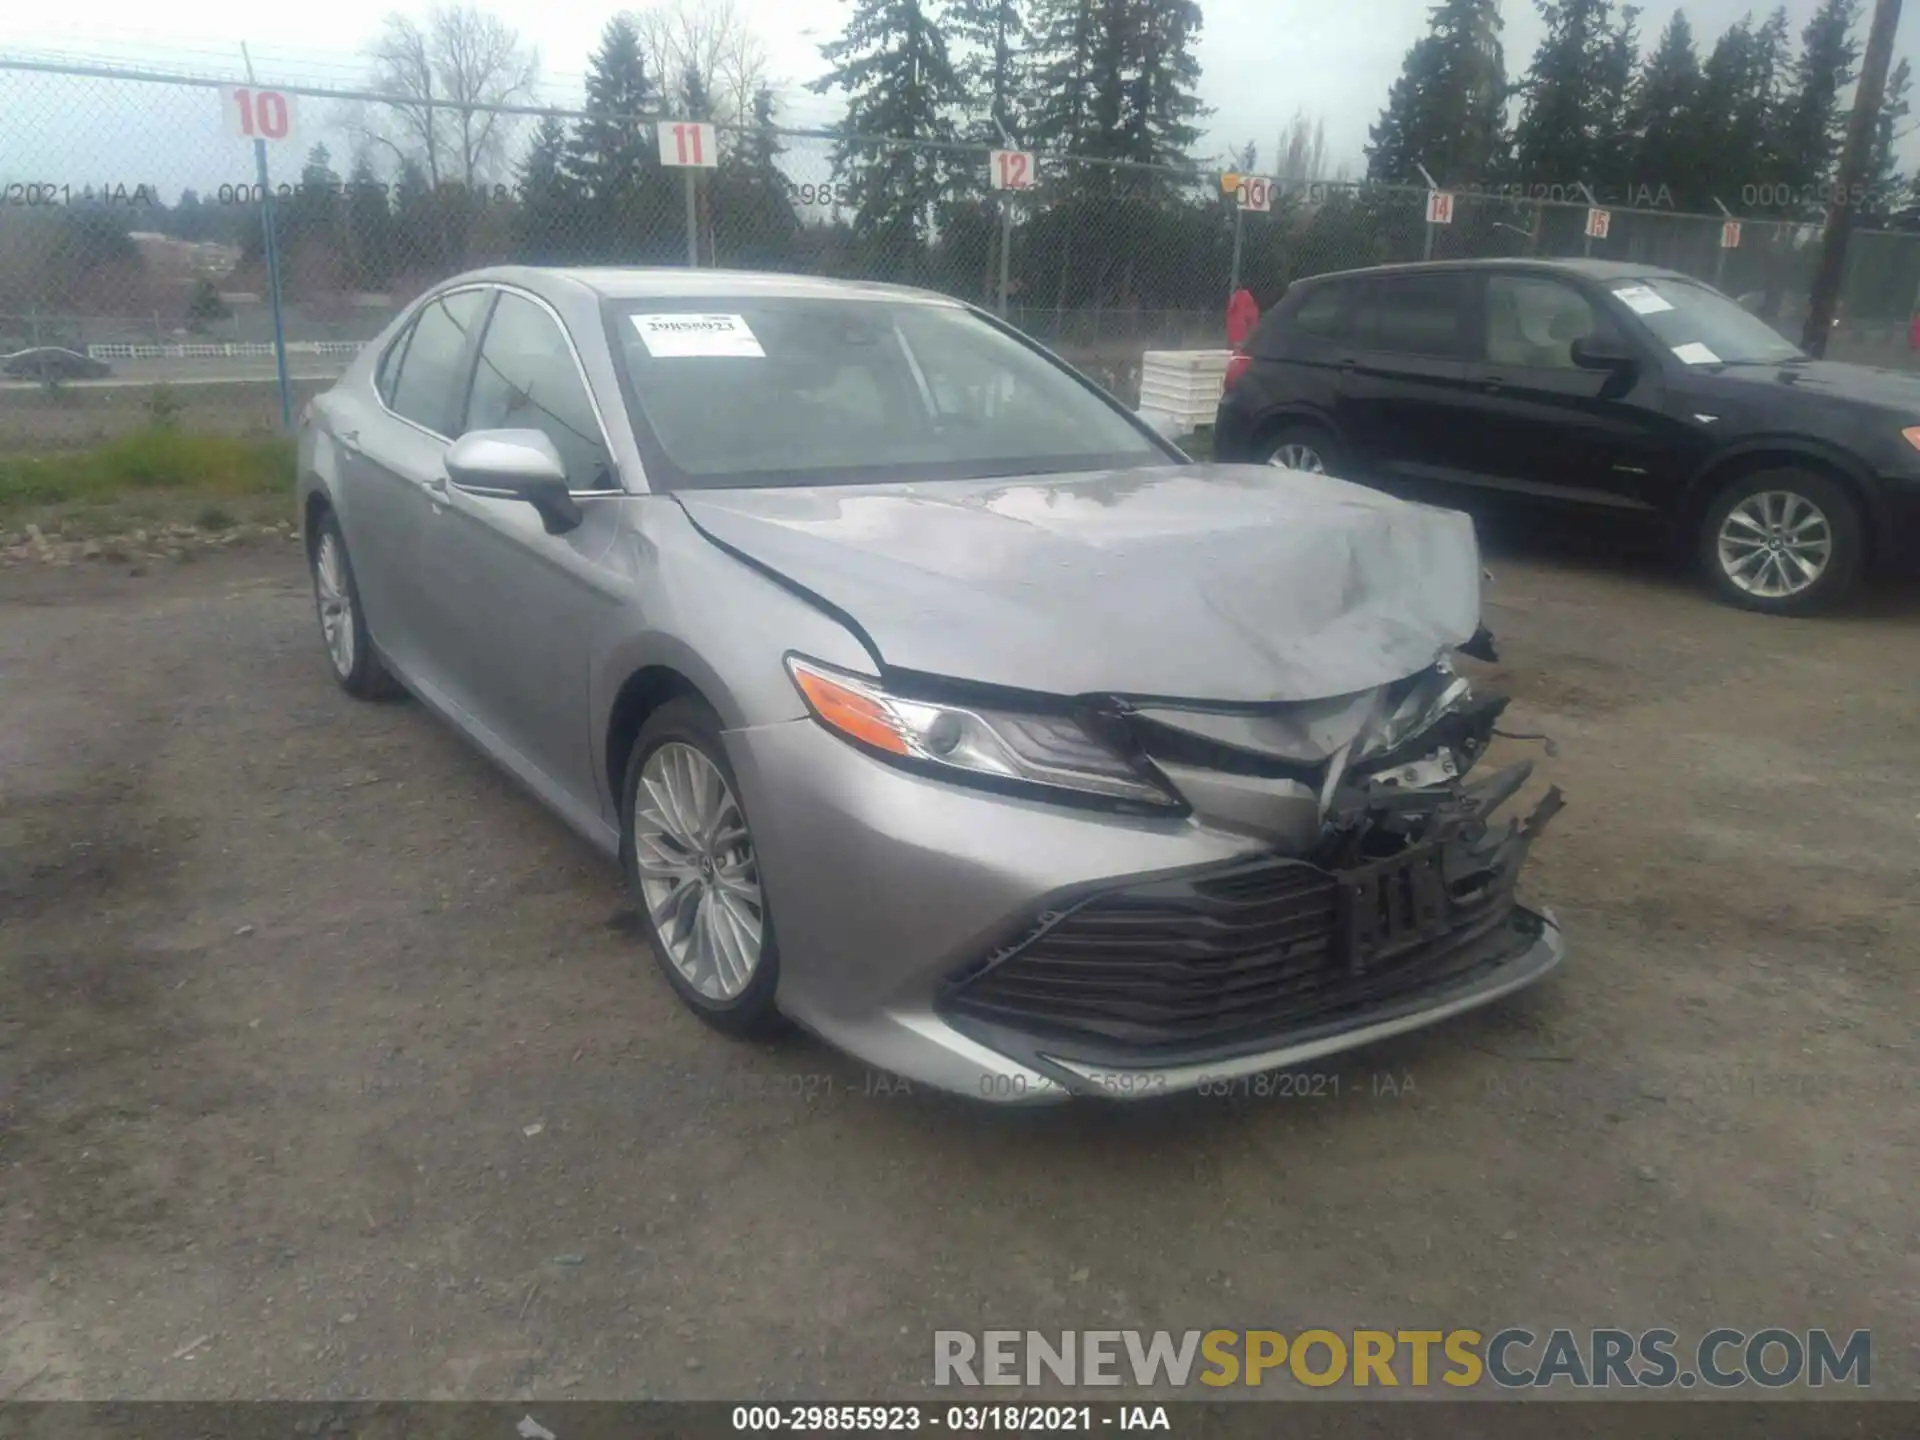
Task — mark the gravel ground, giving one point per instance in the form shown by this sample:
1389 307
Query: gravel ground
330 1064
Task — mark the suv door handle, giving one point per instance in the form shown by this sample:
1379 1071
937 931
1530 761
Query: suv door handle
1492 383
1346 366
437 485
350 441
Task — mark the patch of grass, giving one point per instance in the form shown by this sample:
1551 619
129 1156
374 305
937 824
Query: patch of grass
152 462
213 518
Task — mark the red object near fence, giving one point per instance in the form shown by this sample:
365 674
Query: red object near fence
1242 315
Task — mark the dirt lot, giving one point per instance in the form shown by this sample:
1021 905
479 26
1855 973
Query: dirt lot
287 984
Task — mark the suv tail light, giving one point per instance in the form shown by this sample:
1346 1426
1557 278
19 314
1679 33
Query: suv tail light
1237 364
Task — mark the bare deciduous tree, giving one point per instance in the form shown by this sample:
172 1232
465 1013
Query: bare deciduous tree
443 75
1302 154
706 49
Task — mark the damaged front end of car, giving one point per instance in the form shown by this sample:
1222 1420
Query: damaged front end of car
1381 896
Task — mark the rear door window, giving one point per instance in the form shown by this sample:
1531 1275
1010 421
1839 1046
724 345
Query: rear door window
1416 315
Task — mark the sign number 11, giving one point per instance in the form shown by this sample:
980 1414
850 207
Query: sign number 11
685 143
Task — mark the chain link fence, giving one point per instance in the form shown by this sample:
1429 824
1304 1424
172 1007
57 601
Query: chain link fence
134 229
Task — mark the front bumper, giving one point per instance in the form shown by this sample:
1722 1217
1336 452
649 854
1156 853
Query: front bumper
885 888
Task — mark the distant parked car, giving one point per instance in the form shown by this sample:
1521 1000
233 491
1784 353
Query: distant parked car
1597 384
53 362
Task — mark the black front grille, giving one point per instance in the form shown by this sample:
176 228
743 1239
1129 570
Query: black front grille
1253 949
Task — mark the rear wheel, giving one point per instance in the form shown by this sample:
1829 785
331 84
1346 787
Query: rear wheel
1306 448
694 873
1785 542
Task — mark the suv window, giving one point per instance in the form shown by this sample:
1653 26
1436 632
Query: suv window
423 391
1414 315
527 379
1322 313
1533 322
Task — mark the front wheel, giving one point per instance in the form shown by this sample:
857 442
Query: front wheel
1784 542
343 622
1306 448
694 872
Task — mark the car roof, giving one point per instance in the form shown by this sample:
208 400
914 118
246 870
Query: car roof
1590 269
612 282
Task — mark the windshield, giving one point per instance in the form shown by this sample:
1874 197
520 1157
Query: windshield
1702 326
772 391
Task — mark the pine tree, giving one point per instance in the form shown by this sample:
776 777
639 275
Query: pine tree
755 223
613 157
1814 122
1555 142
1661 119
549 216
1446 110
892 61
1063 45
369 227
1165 78
1884 182
994 34
1611 165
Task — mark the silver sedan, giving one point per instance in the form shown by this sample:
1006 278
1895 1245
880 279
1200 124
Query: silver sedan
928 698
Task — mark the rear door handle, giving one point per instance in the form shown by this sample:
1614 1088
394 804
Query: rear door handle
1491 383
1346 367
350 440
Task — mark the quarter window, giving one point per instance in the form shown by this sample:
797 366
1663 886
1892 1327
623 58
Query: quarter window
423 391
527 379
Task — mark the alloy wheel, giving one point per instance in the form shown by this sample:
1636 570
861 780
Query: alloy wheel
1295 456
1775 544
333 597
698 875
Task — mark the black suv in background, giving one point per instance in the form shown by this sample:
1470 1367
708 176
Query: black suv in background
1595 383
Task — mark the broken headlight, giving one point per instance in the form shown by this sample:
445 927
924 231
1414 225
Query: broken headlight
1412 708
1044 753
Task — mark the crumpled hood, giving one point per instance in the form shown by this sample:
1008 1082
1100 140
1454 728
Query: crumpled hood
1230 583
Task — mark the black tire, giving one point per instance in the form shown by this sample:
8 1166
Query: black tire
364 677
750 1014
1838 520
1311 438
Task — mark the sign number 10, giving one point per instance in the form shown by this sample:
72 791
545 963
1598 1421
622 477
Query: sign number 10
259 114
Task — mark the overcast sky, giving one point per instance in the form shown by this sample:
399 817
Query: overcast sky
1260 58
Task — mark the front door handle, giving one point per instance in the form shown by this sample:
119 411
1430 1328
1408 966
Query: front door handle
1492 383
438 487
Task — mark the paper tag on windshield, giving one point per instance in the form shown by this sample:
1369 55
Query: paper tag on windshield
677 336
1641 299
1694 353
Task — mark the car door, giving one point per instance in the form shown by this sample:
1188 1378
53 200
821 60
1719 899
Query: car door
1546 426
1402 376
397 472
512 609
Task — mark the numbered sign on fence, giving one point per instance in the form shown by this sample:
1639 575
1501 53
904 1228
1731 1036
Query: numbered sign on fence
1439 207
1730 235
1255 193
1011 169
258 114
687 142
1597 223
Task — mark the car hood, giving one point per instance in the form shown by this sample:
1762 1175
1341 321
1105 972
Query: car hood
1238 584
1864 384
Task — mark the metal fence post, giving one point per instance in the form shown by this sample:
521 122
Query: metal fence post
1239 234
272 248
693 219
1006 247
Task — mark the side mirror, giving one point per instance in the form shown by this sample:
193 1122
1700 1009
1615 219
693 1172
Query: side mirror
515 465
1595 352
